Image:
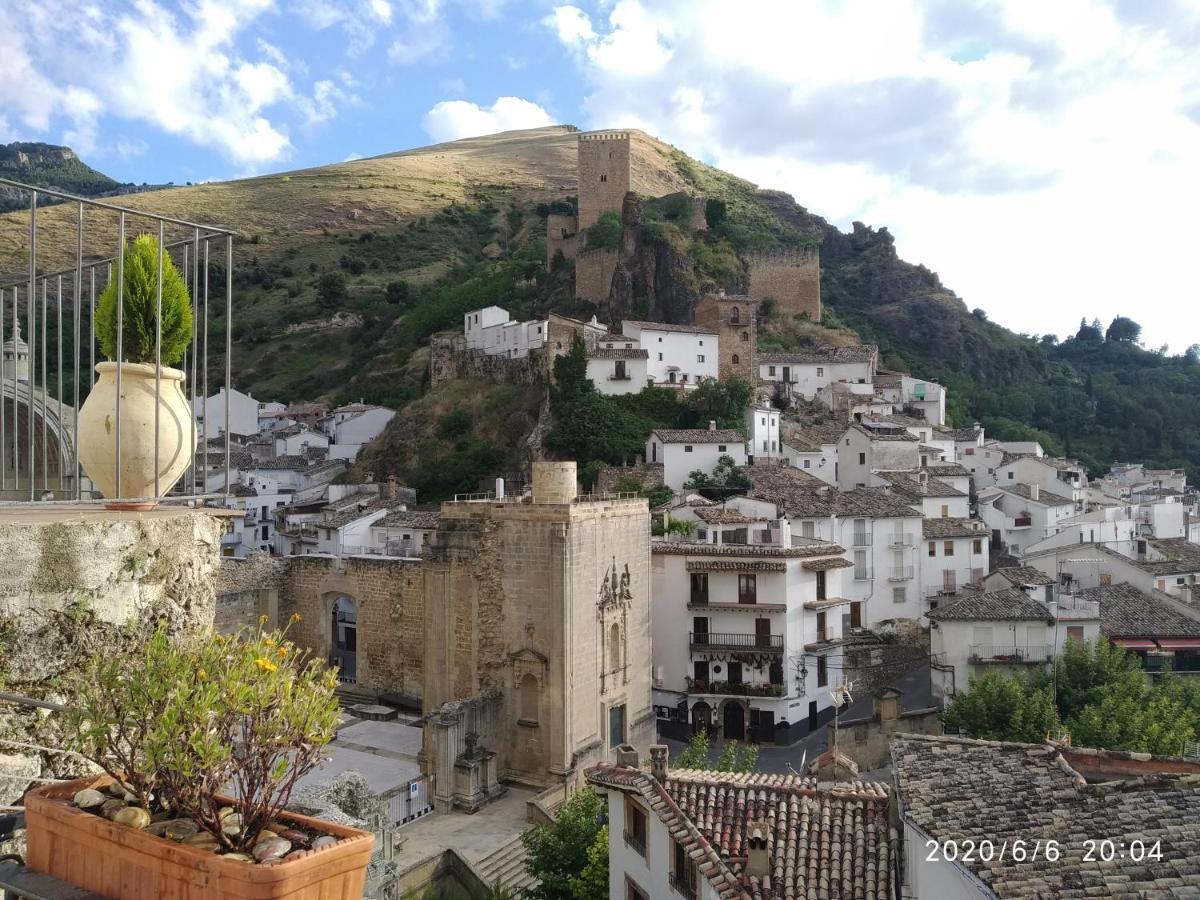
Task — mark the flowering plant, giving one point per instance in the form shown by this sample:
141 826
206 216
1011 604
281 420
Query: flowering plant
189 718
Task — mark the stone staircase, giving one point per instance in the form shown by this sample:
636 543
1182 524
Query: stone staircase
506 867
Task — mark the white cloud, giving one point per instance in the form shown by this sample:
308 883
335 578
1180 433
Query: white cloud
351 157
454 119
361 20
1041 160
131 148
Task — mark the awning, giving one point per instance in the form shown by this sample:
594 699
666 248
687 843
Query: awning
1180 643
1129 644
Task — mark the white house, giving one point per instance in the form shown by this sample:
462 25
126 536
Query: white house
762 424
677 833
932 497
1063 477
1170 566
617 367
762 647
804 373
864 450
955 554
925 397
675 354
403 532
1020 515
243 413
812 449
1004 630
492 331
353 426
296 440
683 451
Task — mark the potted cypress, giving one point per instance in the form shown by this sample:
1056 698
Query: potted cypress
173 725
143 414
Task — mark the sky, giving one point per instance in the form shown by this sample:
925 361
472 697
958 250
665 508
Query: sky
1042 156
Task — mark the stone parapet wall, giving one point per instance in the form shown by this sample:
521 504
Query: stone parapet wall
594 274
451 359
792 277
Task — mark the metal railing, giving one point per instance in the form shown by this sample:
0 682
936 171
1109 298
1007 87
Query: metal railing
718 640
861 539
900 573
1007 653
42 379
636 842
901 540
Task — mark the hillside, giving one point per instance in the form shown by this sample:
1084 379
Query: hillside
400 246
47 165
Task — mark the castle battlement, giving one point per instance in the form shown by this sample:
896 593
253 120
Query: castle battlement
791 276
785 256
604 136
601 253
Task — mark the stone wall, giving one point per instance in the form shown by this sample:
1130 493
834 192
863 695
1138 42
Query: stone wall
450 359
389 598
594 273
648 475
737 339
561 236
791 277
604 174
866 741
248 589
73 581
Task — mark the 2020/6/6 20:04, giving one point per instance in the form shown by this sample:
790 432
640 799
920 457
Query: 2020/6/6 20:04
1021 850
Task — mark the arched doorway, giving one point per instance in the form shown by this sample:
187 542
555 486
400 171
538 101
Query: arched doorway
701 717
344 638
733 721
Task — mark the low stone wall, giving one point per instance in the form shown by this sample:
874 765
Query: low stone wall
450 359
247 590
648 475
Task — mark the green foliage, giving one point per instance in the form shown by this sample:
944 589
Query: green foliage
726 480
396 292
455 424
716 211
48 166
656 495
605 232
1086 669
592 882
188 717
724 402
472 462
1004 709
331 289
671 525
734 757
559 853
139 314
1123 329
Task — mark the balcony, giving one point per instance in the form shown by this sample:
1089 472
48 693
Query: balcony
733 688
734 606
862 574
1022 522
1008 654
724 642
686 887
620 378
900 573
900 541
861 539
636 842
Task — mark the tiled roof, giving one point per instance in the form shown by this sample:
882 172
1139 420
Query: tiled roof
716 515
803 550
810 437
1182 557
953 789
886 432
345 511
908 484
1045 498
663 326
1008 605
1023 575
820 842
698 436
1126 612
799 495
857 354
617 353
952 528
948 470
970 433
293 462
410 518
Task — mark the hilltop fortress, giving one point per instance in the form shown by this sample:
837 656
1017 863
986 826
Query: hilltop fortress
790 276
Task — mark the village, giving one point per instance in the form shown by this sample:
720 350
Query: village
821 581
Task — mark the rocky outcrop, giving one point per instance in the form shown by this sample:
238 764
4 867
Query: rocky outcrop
654 279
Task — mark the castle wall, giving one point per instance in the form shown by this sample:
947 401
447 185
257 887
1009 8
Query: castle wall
450 358
604 174
737 339
792 277
594 273
390 602
561 235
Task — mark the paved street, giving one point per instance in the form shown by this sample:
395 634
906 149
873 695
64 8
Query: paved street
915 690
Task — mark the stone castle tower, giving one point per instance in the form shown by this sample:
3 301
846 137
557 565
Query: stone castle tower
791 276
735 319
604 174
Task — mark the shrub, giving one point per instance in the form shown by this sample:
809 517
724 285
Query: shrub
186 718
138 316
558 854
605 234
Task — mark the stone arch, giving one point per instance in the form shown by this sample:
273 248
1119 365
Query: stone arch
733 717
343 635
529 692
614 647
735 315
701 716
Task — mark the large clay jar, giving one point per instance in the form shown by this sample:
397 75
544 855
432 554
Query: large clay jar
98 431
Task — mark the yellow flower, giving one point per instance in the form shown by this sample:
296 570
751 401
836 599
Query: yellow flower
202 675
270 642
262 620
295 617
265 664
283 651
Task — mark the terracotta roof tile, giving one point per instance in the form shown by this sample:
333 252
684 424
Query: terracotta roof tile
699 436
1008 605
1126 612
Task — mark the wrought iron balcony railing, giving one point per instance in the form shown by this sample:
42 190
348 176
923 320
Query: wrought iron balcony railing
1007 653
723 641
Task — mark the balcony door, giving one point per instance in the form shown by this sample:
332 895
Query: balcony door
821 586
762 632
747 589
856 615
700 629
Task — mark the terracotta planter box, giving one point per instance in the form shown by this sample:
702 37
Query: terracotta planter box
126 864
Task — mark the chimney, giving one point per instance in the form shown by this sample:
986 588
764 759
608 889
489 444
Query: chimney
785 532
626 756
712 425
391 487
658 762
757 861
1035 491
499 488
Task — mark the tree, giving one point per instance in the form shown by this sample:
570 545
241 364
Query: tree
715 211
1004 709
397 292
734 757
557 853
1086 669
592 882
140 308
1123 330
726 480
605 233
1089 334
1132 715
723 402
331 289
